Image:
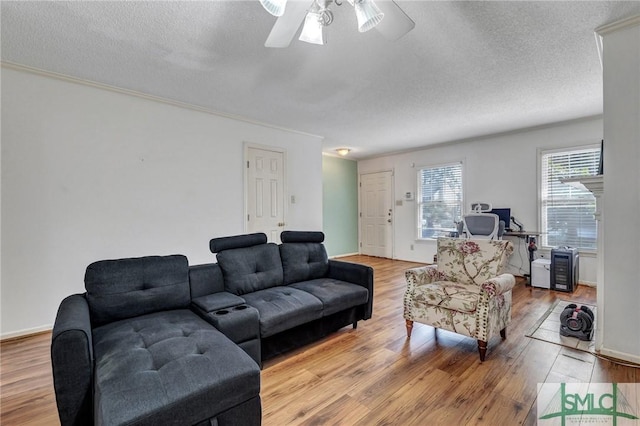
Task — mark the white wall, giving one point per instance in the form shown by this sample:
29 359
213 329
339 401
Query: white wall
90 174
620 289
500 169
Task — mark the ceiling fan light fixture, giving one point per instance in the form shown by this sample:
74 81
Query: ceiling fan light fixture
343 151
368 15
274 7
312 29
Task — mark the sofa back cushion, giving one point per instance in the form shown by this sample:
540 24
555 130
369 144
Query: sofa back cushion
472 261
303 261
303 256
205 279
250 269
127 288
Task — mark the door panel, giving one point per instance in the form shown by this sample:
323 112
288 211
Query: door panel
265 194
376 214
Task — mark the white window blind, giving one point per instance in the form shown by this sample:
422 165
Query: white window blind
439 200
567 212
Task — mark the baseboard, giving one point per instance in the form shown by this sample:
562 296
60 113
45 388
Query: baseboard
344 255
15 335
620 355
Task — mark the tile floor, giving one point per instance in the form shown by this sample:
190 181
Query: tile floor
548 329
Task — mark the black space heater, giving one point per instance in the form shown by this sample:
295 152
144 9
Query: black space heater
564 269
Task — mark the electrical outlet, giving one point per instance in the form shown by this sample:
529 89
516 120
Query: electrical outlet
411 246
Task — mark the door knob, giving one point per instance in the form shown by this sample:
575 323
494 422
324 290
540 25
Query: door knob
389 220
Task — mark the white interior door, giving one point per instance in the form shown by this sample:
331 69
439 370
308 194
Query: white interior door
265 192
376 214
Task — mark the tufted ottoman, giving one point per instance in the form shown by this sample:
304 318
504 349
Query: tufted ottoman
168 368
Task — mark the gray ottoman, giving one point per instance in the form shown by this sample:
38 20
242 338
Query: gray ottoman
169 368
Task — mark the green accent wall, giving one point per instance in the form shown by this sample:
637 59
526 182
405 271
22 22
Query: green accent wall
340 205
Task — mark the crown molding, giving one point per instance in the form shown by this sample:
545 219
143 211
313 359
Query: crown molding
487 136
141 95
617 25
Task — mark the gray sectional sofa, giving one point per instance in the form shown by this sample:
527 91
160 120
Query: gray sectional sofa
156 341
294 291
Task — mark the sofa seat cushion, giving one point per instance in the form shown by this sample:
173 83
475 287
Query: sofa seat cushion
449 295
335 295
168 367
282 308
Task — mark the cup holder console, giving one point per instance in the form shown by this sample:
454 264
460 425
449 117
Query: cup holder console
239 323
229 310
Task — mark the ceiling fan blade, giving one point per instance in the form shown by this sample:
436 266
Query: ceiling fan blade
395 23
287 25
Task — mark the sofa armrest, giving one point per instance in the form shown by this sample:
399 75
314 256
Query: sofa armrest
354 273
498 285
216 301
72 361
422 275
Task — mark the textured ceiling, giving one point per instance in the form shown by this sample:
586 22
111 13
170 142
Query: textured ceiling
467 69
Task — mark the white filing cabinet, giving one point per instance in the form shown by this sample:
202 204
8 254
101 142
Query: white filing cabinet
540 273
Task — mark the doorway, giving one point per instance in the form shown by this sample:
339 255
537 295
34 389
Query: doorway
264 191
376 214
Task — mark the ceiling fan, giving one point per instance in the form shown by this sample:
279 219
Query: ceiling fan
383 15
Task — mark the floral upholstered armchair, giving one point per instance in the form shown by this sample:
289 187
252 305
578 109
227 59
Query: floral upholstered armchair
465 292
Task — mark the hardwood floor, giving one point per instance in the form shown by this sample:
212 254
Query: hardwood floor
374 375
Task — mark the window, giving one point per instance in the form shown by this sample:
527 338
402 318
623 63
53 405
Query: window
439 200
567 212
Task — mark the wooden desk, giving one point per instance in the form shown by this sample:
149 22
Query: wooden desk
527 235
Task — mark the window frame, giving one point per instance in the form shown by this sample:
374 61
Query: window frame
418 198
542 225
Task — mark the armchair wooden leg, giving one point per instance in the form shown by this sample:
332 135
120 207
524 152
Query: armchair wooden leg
503 333
482 348
409 327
